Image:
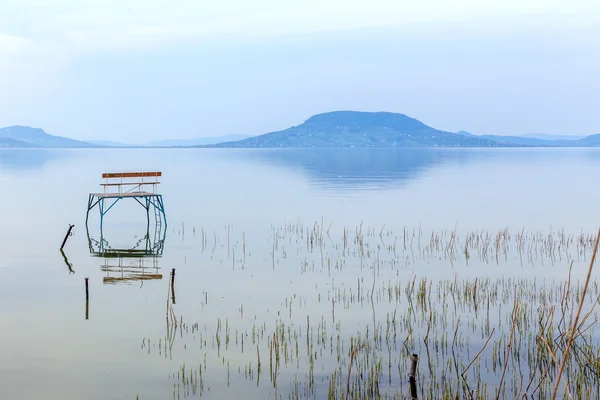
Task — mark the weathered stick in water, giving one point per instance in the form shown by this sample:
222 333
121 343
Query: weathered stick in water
87 300
258 355
510 343
353 351
574 325
478 354
173 285
412 376
67 236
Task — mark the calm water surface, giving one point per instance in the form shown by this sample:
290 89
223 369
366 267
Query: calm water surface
239 236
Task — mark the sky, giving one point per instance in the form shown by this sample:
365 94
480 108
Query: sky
143 70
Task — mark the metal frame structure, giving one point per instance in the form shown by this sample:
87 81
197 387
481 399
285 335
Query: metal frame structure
144 248
150 199
144 198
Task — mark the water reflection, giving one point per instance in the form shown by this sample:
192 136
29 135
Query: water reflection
124 265
69 265
383 168
28 160
359 168
349 168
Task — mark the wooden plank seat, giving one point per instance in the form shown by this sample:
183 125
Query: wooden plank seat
130 183
134 180
130 174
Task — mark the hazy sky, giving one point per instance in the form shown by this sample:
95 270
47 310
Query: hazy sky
135 70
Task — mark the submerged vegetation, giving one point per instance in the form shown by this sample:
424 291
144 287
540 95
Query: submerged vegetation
499 315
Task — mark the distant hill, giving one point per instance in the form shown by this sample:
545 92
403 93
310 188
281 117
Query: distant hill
521 141
35 137
544 136
361 129
332 129
586 141
195 142
172 142
589 141
107 143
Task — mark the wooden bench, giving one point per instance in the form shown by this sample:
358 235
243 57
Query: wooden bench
119 180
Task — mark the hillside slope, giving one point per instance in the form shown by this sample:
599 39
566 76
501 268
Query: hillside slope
361 129
38 138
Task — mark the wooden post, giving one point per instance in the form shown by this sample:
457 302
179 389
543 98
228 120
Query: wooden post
173 285
66 236
87 300
412 376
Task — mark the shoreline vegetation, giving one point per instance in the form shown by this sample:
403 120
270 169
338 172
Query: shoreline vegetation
484 335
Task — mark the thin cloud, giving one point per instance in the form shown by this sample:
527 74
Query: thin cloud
102 25
145 68
11 45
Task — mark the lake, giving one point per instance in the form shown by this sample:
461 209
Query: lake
300 273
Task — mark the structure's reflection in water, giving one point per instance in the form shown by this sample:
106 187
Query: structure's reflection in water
127 265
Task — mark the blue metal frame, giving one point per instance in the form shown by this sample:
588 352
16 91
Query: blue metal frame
152 199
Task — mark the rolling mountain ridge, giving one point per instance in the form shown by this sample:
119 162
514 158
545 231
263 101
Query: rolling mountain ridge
332 129
361 129
25 136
